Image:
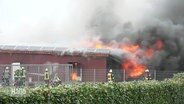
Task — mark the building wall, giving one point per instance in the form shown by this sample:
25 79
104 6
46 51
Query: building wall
88 63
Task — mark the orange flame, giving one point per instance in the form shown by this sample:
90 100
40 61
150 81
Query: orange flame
131 65
133 68
98 46
130 48
101 45
149 53
159 44
74 76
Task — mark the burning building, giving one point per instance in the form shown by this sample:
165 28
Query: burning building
83 61
87 64
152 37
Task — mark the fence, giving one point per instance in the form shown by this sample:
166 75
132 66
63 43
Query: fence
68 74
35 72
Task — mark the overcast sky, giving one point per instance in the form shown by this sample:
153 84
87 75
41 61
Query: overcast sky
57 22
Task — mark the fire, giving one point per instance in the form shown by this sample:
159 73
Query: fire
134 53
149 53
133 68
159 44
98 46
130 48
74 76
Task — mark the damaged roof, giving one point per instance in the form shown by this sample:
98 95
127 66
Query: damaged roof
54 50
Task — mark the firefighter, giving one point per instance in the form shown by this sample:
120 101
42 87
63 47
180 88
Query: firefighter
23 72
147 75
23 75
46 76
110 76
20 77
56 81
17 75
30 82
6 76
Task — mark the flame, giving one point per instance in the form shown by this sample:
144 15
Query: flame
133 68
159 44
74 76
149 53
130 48
131 63
98 45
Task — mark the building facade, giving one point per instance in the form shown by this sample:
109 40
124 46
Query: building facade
83 64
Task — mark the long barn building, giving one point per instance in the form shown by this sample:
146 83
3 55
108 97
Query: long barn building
89 64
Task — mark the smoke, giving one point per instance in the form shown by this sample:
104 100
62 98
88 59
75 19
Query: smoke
112 22
45 22
144 24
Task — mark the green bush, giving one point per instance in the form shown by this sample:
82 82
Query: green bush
178 76
136 92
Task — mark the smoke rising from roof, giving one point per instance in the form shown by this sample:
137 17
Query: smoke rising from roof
59 22
68 22
44 22
157 20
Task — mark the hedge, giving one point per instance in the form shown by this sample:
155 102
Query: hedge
136 92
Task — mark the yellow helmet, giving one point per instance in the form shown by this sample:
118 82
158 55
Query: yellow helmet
46 69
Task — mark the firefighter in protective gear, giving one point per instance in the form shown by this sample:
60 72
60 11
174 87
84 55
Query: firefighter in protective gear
110 76
23 72
147 75
23 75
6 77
17 76
46 76
56 81
20 77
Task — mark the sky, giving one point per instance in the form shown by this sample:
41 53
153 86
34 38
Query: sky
59 22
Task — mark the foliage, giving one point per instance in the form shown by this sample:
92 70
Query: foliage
135 92
178 76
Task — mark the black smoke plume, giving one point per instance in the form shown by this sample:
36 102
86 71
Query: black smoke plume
164 21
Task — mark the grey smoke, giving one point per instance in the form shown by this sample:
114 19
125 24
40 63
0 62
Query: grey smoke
164 21
67 22
44 22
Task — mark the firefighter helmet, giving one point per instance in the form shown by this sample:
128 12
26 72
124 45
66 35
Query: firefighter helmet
7 68
46 70
147 70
